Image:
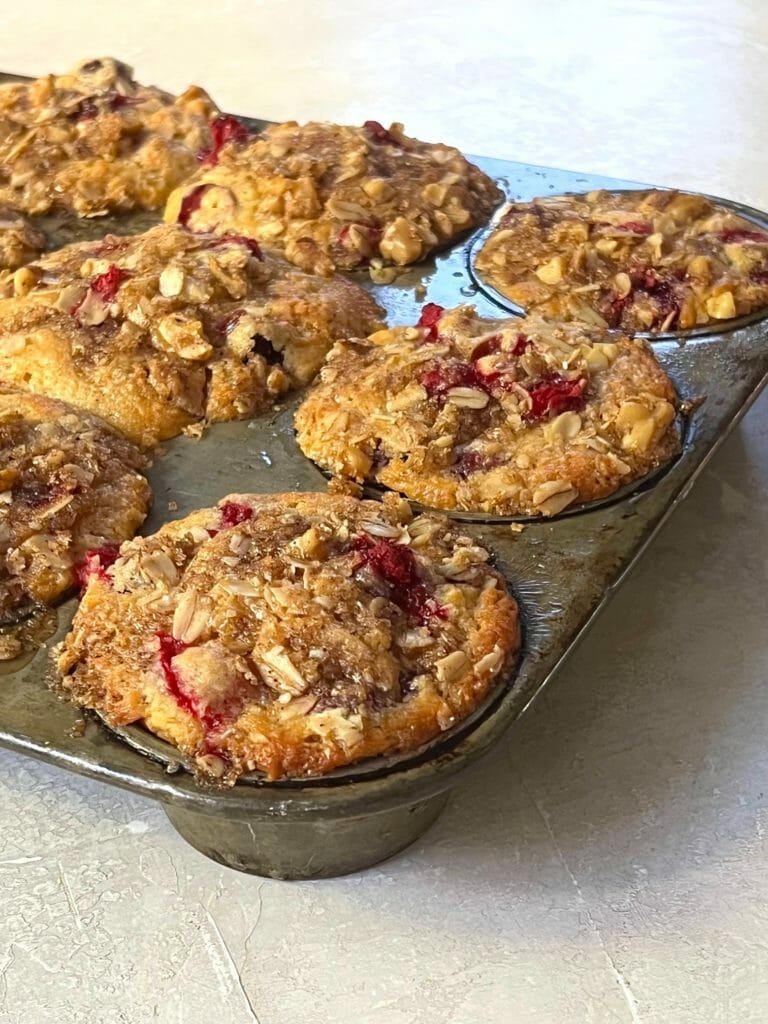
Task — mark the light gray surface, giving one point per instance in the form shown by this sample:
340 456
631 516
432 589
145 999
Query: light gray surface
609 865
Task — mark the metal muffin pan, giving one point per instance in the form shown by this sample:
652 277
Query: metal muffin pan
563 571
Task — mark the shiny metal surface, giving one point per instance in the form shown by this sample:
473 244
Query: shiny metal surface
564 571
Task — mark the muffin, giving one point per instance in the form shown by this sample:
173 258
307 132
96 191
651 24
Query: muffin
338 197
164 329
646 260
71 491
292 634
509 417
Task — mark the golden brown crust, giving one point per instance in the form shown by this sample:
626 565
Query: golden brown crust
20 241
647 260
160 330
339 197
292 633
509 417
94 140
68 486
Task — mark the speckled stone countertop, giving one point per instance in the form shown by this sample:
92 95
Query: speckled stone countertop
608 864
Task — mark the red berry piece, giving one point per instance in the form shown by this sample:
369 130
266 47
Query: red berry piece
233 513
555 395
100 292
438 380
190 204
469 462
430 318
224 129
521 344
743 235
107 284
95 564
168 649
381 134
396 564
488 347
635 227
92 106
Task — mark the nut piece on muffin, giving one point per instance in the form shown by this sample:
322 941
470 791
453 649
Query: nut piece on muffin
509 417
645 260
157 331
337 197
94 140
71 490
292 634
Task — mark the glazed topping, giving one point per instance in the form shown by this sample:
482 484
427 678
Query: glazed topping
644 260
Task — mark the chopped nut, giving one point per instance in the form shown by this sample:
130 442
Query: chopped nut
24 280
490 662
409 396
553 496
722 306
563 427
340 725
297 706
622 284
211 764
452 666
281 670
551 272
93 310
171 281
401 242
190 617
185 338
344 210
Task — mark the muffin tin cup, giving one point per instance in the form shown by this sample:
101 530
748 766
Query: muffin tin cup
563 571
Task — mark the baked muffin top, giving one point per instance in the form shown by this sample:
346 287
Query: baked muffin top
70 491
333 196
160 330
645 260
94 140
292 633
511 417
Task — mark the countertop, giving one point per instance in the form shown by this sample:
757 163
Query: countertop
608 864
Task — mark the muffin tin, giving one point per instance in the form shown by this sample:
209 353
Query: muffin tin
563 571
